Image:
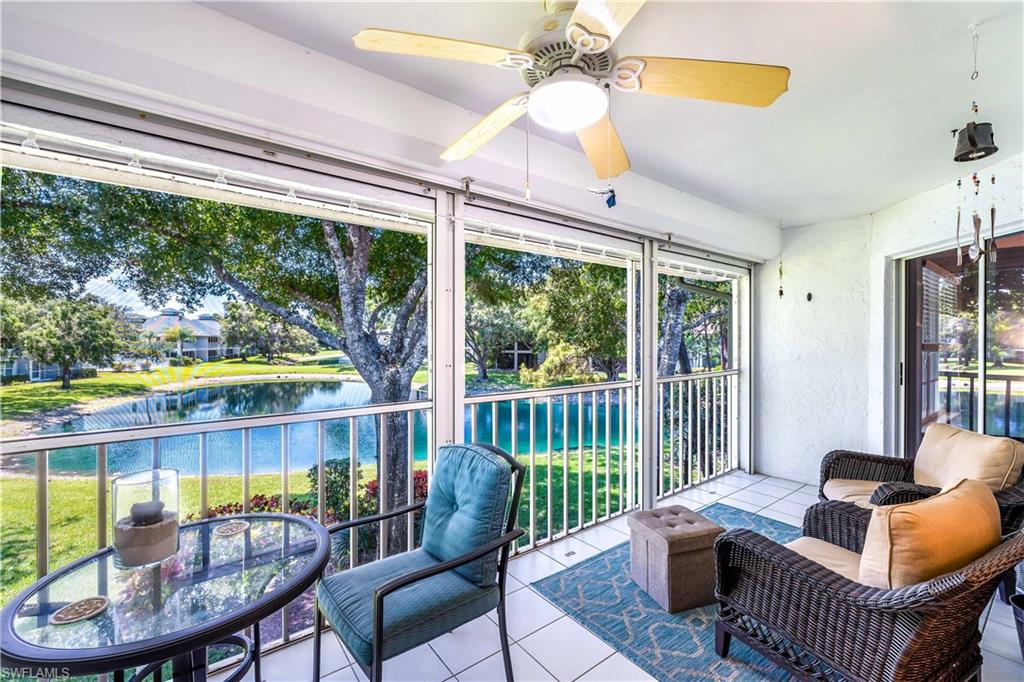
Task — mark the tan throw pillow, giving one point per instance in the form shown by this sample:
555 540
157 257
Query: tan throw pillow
948 454
910 543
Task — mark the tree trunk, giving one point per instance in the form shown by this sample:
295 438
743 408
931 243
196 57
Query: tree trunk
65 377
674 308
396 456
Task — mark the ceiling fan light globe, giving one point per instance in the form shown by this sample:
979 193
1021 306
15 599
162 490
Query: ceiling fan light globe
567 102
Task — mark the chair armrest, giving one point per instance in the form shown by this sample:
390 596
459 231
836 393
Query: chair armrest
355 523
900 492
861 466
1011 507
839 523
423 573
408 579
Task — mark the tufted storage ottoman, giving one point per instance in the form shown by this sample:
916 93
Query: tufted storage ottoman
672 556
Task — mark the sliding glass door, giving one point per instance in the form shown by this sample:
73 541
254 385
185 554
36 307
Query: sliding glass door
956 314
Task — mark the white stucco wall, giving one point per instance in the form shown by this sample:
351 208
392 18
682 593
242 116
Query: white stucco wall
824 368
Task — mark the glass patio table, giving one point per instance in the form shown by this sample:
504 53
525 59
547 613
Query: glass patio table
214 587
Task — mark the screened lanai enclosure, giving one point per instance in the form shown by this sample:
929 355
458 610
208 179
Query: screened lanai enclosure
409 315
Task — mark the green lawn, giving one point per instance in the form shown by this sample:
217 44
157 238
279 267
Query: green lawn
73 517
23 399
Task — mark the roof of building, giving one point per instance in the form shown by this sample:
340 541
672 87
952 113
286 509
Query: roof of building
205 325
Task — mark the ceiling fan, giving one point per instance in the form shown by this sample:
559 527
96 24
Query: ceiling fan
568 60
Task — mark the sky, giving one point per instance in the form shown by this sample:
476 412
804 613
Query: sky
105 288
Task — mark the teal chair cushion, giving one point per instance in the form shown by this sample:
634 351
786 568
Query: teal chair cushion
412 615
466 507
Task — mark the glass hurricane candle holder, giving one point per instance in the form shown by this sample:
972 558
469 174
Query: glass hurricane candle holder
145 514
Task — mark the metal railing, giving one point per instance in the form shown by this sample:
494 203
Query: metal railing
696 425
580 445
956 401
583 461
352 440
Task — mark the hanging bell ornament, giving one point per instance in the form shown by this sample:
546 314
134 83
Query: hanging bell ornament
974 141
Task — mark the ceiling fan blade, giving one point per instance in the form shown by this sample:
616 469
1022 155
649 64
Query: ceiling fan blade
595 24
489 126
418 45
601 144
756 85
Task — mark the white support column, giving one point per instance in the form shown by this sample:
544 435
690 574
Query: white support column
741 418
448 306
649 442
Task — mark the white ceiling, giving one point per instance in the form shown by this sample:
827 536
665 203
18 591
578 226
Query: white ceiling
874 92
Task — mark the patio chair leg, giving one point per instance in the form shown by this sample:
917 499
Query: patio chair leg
318 627
256 652
723 638
503 633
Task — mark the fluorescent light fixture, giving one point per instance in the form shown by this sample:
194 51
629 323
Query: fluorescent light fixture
567 101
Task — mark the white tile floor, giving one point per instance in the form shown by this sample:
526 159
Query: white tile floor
550 645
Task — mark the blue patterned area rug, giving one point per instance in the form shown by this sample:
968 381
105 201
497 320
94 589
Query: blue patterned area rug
599 593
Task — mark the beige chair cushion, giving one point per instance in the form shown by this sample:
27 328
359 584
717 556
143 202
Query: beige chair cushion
910 543
948 454
850 490
842 561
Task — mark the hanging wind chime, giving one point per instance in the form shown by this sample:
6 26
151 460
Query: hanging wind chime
975 141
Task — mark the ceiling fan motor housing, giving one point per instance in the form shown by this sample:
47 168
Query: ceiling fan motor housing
546 41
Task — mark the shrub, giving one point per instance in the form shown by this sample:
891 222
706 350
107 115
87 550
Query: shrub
562 362
183 362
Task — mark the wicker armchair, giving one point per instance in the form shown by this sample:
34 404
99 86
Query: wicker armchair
897 483
819 625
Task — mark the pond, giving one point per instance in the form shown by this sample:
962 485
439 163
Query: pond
225 447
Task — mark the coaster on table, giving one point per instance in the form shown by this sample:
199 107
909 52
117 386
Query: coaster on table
79 610
231 528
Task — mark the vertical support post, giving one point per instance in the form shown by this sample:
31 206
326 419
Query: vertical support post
648 375
447 305
286 451
689 431
246 469
593 456
204 477
672 433
410 481
101 495
285 509
630 393
42 513
620 396
607 454
353 483
472 423
982 409
382 487
495 433
533 472
321 474
551 464
579 457
565 464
